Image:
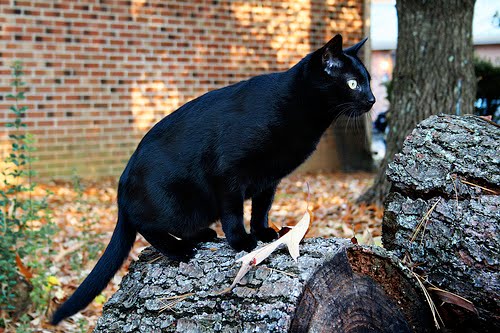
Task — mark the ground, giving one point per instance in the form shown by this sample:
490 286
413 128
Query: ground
86 217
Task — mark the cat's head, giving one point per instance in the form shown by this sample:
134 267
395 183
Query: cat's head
342 78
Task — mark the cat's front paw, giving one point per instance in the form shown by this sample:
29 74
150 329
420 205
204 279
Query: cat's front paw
265 234
243 243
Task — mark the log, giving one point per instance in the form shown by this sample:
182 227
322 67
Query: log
447 179
335 286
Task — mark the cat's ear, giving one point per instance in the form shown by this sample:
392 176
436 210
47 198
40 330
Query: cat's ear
331 51
353 50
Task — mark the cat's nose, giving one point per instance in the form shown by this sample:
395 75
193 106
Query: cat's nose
371 100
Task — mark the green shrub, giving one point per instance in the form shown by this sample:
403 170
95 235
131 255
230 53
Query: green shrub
26 228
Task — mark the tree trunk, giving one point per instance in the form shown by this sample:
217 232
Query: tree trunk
334 287
434 72
447 180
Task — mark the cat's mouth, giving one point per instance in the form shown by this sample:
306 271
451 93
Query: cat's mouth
357 112
354 109
363 108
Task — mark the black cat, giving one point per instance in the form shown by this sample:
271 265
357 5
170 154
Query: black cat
201 162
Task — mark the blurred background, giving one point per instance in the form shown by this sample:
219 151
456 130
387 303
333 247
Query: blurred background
383 35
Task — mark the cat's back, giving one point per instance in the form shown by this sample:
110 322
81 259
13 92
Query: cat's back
219 110
233 99
222 126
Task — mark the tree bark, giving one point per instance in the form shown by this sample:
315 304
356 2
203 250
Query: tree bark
434 72
447 180
334 287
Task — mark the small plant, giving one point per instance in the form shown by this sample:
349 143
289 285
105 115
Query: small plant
83 324
26 228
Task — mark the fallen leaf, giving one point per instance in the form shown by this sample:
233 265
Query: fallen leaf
25 271
295 236
282 232
292 239
451 298
53 281
100 299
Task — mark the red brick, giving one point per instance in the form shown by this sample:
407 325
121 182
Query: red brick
97 80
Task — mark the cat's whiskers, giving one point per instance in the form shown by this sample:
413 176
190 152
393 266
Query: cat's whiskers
342 109
346 109
343 106
349 117
367 117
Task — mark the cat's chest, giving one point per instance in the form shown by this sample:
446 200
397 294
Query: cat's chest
269 148
280 157
290 147
275 164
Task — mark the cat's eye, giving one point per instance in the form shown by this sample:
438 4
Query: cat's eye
353 84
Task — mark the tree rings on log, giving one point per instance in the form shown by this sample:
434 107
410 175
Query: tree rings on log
359 290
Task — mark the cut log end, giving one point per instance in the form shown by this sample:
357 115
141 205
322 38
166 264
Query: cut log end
361 291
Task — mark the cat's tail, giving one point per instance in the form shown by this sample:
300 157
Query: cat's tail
116 252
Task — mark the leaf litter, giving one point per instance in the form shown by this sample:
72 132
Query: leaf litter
291 239
333 210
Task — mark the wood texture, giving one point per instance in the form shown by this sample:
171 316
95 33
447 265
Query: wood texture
361 290
449 169
334 287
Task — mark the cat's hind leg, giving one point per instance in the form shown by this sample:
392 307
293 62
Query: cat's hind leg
169 245
205 235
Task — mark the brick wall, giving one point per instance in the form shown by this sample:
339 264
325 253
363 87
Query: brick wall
101 73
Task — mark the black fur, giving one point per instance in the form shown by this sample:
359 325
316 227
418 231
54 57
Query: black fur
200 163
